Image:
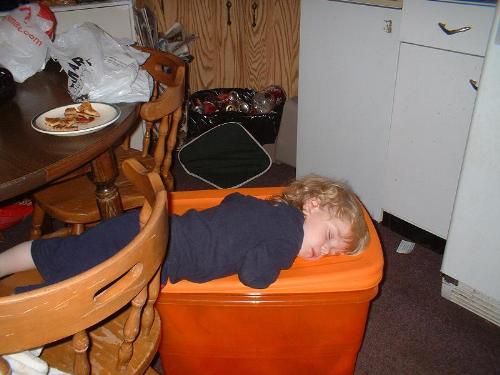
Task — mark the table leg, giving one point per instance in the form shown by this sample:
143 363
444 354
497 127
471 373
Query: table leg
104 173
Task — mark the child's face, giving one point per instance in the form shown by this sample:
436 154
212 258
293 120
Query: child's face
323 234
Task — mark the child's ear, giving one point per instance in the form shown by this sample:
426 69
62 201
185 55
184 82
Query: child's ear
309 204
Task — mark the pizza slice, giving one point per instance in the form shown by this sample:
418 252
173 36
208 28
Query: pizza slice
87 108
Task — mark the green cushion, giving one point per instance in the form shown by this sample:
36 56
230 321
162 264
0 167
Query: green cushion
225 156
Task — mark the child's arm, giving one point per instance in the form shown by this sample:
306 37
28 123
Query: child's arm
16 259
262 265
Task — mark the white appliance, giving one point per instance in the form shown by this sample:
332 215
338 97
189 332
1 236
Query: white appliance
471 262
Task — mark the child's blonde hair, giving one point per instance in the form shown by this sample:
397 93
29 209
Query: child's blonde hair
339 199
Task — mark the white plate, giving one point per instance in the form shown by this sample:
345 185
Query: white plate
109 114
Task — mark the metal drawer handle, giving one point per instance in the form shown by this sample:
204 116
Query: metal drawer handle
454 31
473 83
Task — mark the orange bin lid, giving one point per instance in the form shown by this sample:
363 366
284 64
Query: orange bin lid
329 274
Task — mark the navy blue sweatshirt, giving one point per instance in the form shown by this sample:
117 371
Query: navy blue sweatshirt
243 235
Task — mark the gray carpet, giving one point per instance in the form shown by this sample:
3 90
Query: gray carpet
411 329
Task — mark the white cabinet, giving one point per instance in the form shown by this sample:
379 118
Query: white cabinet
348 58
433 106
114 17
432 112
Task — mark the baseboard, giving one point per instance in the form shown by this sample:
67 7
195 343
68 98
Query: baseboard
414 233
471 299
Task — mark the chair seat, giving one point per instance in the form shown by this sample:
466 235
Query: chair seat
105 339
60 201
10 283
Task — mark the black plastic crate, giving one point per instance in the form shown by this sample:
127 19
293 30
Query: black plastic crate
264 127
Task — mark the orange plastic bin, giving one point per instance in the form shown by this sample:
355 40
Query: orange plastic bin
310 321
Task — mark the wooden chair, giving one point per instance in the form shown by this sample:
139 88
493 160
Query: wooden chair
108 310
72 200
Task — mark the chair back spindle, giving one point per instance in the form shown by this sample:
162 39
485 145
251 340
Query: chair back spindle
168 72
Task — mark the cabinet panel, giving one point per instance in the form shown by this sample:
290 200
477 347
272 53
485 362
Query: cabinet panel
240 54
113 17
271 47
348 62
430 123
200 17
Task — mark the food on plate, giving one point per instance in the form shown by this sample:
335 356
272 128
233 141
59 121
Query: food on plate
70 111
84 119
52 121
61 124
87 108
83 114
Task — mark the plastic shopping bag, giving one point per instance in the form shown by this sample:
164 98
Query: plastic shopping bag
25 36
101 68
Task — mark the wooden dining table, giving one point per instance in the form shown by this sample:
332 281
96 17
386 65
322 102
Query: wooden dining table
30 159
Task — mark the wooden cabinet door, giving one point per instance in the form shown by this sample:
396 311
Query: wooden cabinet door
241 54
270 47
430 124
203 18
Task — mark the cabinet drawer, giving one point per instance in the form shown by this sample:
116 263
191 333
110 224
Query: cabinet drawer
421 18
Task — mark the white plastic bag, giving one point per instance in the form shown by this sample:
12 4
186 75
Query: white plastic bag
100 68
25 37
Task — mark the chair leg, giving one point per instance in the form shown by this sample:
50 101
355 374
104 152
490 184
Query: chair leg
148 314
146 141
169 182
147 138
159 154
80 343
171 142
131 328
77 229
37 222
63 232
